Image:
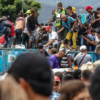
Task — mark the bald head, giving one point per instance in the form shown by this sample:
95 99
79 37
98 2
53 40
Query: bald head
64 18
60 54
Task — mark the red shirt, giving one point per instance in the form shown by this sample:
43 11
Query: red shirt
12 29
2 39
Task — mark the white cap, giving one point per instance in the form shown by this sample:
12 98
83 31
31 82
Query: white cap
83 47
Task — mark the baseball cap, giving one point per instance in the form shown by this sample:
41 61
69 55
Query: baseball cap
33 67
83 47
73 9
88 7
56 78
28 12
40 45
59 4
48 27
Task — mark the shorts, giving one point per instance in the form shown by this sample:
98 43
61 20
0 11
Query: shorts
34 35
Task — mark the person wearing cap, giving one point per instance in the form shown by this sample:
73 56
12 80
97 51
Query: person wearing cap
42 51
53 37
32 72
26 32
57 17
94 17
56 84
73 9
69 23
82 57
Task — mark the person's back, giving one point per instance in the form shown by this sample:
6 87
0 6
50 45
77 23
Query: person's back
86 59
19 23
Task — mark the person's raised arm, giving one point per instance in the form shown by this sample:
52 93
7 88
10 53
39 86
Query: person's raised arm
53 18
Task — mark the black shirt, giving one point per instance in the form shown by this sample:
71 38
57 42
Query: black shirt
83 31
93 16
44 53
31 22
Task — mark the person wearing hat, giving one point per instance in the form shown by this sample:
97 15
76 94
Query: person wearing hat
57 17
56 84
53 37
42 51
73 9
26 32
82 57
32 72
94 17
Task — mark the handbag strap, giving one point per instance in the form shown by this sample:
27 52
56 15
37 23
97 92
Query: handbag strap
82 59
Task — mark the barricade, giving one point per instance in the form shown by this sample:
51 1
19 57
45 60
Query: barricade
7 56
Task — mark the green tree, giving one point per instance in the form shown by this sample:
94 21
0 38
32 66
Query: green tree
11 8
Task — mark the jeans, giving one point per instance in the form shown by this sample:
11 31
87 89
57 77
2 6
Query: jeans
26 40
11 40
83 41
18 35
7 33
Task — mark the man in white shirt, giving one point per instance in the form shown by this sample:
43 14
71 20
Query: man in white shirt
53 39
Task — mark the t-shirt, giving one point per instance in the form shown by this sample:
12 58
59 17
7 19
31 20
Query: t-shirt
93 16
91 37
44 53
69 23
83 31
64 62
97 39
86 59
54 36
53 61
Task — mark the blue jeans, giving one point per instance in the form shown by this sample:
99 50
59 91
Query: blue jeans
83 41
7 33
11 40
18 35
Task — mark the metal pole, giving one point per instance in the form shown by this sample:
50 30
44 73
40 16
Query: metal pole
22 5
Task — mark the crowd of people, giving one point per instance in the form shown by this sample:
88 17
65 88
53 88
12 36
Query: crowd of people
52 73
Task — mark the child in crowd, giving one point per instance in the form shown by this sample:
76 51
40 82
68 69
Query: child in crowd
92 36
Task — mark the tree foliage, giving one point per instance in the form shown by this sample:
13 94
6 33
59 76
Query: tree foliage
11 8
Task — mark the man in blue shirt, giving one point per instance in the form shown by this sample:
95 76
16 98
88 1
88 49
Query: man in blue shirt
69 23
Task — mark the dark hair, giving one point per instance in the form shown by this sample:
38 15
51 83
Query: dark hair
33 68
65 41
60 75
87 75
67 77
77 73
98 8
93 30
86 24
46 24
21 14
53 51
33 11
71 89
75 63
70 8
95 85
50 47
42 24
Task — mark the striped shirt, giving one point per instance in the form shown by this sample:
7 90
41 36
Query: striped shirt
64 62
